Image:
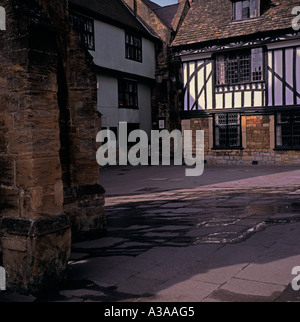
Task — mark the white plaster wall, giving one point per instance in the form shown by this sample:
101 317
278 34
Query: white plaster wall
110 51
112 114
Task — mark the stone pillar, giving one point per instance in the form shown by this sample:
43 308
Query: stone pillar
84 200
35 232
49 180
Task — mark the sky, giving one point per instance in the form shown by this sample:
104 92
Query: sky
165 2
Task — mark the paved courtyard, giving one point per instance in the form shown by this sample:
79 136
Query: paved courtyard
232 234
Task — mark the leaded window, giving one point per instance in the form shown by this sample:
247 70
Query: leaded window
288 130
133 47
246 9
227 130
85 30
128 94
238 67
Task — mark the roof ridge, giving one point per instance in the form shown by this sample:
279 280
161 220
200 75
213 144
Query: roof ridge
197 26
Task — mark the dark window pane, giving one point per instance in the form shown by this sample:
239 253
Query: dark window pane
244 69
296 117
85 30
246 13
133 47
233 136
257 64
296 135
227 130
128 94
222 136
288 130
286 135
232 72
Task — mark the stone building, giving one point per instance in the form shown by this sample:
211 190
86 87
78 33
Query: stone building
241 71
49 178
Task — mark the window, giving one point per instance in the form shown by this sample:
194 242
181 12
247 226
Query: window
239 67
133 46
85 29
128 94
247 9
227 130
288 130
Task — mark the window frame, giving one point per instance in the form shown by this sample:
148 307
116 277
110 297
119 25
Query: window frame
124 90
133 51
82 30
226 61
234 10
290 125
227 146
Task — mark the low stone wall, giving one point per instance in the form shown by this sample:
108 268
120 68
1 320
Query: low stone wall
258 143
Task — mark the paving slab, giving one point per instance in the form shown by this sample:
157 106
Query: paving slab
239 290
138 286
230 235
183 291
206 272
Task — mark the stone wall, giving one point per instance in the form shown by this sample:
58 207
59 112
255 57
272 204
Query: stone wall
258 143
153 22
49 178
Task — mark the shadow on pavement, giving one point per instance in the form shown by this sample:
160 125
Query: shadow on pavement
234 239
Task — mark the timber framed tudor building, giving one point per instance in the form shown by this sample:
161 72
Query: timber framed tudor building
241 71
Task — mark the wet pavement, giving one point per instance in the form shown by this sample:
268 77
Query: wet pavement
231 235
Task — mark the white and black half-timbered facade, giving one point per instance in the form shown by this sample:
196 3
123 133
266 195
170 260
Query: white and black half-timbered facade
241 79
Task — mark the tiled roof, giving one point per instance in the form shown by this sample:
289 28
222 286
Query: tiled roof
167 14
209 20
111 11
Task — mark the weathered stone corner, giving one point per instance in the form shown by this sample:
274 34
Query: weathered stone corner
84 206
35 253
49 177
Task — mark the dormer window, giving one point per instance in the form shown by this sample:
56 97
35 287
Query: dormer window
246 9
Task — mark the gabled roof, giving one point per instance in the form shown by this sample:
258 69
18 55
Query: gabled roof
209 20
167 14
114 12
